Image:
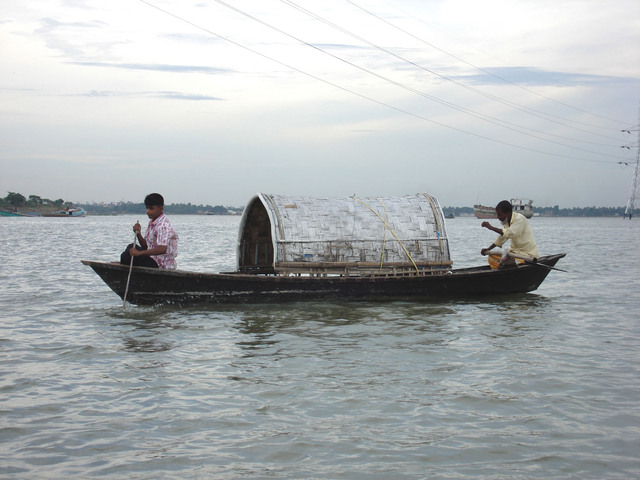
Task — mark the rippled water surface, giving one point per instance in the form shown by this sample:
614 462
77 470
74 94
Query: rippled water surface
542 385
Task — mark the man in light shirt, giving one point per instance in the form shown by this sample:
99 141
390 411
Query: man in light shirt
517 229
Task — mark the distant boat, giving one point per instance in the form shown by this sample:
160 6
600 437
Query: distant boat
69 212
4 213
525 207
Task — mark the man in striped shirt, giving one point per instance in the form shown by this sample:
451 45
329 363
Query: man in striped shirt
159 246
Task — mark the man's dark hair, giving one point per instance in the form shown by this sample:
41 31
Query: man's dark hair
154 199
505 206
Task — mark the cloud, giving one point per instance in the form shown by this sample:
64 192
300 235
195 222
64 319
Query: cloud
135 82
158 94
183 96
159 67
340 46
196 38
57 35
539 77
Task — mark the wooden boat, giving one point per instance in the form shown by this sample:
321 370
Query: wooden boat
150 286
525 207
301 248
69 212
482 211
4 213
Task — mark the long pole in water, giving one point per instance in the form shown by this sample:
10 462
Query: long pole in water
126 290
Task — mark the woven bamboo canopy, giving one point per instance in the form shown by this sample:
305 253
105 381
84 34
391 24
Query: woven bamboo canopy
350 235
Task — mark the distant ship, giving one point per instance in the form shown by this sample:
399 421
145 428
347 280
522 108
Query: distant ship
69 212
525 207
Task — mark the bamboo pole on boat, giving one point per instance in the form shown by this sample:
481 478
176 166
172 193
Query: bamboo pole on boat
126 290
527 259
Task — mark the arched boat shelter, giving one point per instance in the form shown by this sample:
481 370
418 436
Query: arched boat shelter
282 234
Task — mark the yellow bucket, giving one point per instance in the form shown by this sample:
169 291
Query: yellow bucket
495 259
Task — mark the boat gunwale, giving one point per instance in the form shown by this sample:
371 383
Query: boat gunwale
315 277
186 287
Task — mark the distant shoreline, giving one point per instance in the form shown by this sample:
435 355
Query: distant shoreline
35 205
180 209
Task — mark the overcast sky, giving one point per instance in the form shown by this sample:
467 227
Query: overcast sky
210 102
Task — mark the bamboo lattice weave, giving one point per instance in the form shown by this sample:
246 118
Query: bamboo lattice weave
396 230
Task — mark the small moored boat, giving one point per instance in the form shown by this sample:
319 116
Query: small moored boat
5 213
69 212
302 248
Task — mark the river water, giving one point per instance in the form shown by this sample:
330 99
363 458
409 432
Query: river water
542 385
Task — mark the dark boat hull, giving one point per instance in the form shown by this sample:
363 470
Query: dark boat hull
150 286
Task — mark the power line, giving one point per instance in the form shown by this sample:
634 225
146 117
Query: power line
514 105
493 74
345 89
486 118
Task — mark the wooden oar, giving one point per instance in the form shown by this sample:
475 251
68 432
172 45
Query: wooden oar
126 290
527 259
533 261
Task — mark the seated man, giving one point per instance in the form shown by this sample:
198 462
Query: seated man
516 229
159 246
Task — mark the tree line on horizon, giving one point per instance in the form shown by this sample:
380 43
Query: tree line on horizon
35 203
17 200
554 211
120 208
